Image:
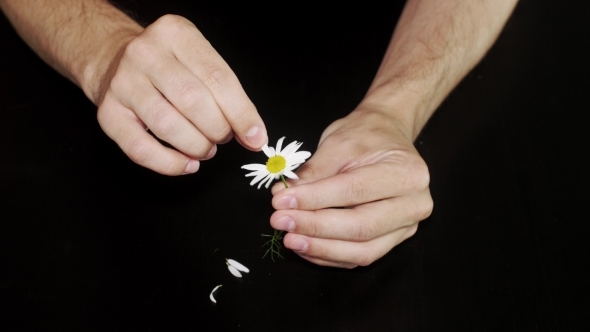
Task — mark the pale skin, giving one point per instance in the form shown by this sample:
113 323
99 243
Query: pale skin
169 79
366 161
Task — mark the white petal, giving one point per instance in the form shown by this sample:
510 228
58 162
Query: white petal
256 173
269 177
213 291
258 178
292 147
291 175
268 182
260 171
269 152
292 168
300 155
238 265
254 167
234 271
280 144
295 163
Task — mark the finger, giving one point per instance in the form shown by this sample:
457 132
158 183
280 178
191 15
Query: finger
166 122
356 253
359 224
327 161
206 64
323 262
123 127
357 186
191 98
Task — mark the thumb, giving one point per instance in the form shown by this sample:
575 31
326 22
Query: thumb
327 161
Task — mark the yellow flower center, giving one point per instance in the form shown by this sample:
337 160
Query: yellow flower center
276 164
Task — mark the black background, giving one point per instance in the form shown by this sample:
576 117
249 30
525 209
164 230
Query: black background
90 241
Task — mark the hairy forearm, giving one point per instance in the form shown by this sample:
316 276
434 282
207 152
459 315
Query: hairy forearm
435 44
79 39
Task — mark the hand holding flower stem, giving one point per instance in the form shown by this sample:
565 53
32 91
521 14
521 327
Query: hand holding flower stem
279 163
274 246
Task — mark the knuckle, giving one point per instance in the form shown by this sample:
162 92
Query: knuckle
139 49
422 209
313 229
189 96
162 121
426 208
354 191
308 170
216 78
411 231
420 177
169 168
222 134
138 151
169 19
363 232
203 149
364 258
241 115
104 116
171 24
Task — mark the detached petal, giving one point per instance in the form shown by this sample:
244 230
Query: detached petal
238 265
213 291
234 271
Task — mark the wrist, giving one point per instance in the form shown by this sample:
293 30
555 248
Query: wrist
95 73
409 107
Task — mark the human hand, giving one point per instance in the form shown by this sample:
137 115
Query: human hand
362 193
170 79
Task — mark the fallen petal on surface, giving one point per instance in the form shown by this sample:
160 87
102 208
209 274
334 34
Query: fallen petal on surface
213 291
234 271
238 265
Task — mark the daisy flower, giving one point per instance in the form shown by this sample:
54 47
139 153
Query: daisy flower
280 163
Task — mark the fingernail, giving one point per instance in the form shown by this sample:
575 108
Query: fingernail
299 244
285 223
192 167
255 136
287 202
211 152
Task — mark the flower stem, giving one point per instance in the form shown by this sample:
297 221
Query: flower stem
274 246
284 181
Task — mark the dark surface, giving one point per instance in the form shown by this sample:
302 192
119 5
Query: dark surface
91 242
